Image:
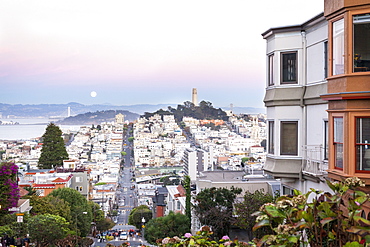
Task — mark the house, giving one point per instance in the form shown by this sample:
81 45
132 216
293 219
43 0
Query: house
297 121
318 98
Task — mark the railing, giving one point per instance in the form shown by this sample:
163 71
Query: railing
314 164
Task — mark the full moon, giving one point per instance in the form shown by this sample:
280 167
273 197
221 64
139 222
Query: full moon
93 94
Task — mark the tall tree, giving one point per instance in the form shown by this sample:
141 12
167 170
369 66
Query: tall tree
214 208
53 150
45 229
80 209
188 198
9 192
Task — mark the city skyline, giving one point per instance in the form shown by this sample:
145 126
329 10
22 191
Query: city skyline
139 52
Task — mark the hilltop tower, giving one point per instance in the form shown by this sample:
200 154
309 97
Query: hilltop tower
194 98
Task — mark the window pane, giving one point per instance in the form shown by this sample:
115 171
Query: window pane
271 144
289 65
361 43
338 130
326 140
362 139
363 130
289 138
338 47
338 148
271 70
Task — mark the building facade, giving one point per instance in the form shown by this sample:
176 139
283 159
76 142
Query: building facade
318 98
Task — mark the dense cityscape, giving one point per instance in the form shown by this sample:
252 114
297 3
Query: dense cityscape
196 175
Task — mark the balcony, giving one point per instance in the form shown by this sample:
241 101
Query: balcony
314 164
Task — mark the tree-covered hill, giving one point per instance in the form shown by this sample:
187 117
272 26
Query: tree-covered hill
98 117
205 110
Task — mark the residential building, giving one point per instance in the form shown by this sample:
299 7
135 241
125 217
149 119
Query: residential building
328 59
348 92
297 121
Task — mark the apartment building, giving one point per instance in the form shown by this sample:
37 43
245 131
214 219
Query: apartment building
318 98
297 121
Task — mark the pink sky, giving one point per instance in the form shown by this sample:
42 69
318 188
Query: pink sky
133 52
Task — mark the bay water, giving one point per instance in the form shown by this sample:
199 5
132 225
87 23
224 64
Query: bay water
29 128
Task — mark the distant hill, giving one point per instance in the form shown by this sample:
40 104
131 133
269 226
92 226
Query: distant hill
60 110
97 117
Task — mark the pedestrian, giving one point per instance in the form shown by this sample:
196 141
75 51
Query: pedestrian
18 241
26 241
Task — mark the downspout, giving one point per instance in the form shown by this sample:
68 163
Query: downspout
302 103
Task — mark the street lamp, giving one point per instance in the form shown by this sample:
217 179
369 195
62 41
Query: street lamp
143 226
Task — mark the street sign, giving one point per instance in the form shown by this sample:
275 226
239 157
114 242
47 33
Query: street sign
20 218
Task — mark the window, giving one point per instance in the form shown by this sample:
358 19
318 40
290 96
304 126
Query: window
363 144
271 144
325 59
338 47
78 179
326 140
289 138
271 70
361 43
40 192
289 67
338 142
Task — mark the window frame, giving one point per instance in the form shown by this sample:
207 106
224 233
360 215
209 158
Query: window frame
270 70
282 81
271 137
360 144
282 140
326 140
352 41
336 143
332 70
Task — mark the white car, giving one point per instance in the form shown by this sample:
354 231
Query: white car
123 236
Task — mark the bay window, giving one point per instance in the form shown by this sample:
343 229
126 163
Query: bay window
271 70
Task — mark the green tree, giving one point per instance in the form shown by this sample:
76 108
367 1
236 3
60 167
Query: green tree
188 198
167 226
53 150
9 192
81 215
214 208
123 153
136 215
130 139
245 209
50 205
45 229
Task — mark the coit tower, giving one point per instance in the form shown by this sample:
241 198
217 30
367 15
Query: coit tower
194 98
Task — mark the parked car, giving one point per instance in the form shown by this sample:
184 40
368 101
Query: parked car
123 236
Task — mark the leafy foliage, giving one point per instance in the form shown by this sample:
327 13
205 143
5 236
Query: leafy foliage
79 205
45 229
168 226
245 209
214 208
53 151
8 186
187 185
136 215
329 220
203 238
50 205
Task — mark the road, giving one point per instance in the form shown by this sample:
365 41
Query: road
126 197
